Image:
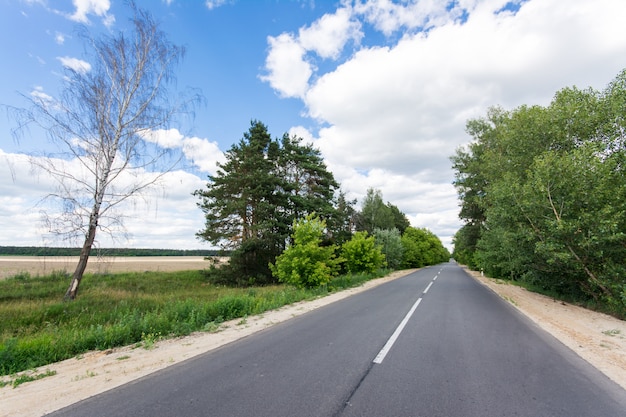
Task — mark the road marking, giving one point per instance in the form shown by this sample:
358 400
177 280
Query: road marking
435 279
428 288
383 352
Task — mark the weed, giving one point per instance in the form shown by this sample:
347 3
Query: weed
510 300
149 339
612 332
88 374
121 358
211 327
21 379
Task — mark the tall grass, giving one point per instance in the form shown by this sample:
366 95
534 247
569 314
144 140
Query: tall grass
38 328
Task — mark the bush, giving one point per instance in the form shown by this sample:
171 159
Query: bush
361 254
306 263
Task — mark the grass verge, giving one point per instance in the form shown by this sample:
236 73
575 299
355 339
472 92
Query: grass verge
37 328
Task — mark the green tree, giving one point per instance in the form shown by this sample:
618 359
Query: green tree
374 213
306 184
250 204
362 254
543 194
306 263
240 205
390 243
342 224
422 248
464 241
400 221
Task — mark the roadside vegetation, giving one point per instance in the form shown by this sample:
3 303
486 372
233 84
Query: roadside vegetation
543 196
38 328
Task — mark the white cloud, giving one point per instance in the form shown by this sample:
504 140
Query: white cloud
38 94
289 69
75 64
390 116
328 35
214 4
164 217
165 138
59 38
203 154
289 72
98 8
389 17
200 152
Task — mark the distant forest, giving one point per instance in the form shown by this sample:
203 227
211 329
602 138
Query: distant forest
50 251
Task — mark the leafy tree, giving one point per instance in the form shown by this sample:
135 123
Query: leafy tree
543 194
375 214
464 241
250 204
400 221
390 242
306 263
422 248
362 254
102 120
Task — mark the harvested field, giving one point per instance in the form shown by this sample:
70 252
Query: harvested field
41 265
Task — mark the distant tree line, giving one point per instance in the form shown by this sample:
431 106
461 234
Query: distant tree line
121 252
276 197
543 192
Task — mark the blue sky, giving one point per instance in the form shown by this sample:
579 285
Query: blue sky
383 88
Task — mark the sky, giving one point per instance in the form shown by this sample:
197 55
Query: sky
382 88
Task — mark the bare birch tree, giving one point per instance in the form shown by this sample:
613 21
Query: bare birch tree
101 121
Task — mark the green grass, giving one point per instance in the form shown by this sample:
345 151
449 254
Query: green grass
37 327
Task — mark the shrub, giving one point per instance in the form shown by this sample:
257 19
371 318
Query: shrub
306 263
361 254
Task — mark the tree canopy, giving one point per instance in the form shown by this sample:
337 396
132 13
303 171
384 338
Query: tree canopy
375 214
543 194
255 197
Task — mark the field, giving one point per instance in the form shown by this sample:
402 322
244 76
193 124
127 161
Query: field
42 265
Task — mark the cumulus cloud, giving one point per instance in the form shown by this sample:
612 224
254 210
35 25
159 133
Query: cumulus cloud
328 35
289 72
165 216
391 115
75 64
202 153
288 63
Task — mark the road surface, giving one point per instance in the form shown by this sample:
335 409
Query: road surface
433 343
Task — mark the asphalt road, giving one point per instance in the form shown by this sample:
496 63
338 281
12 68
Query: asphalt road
434 343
